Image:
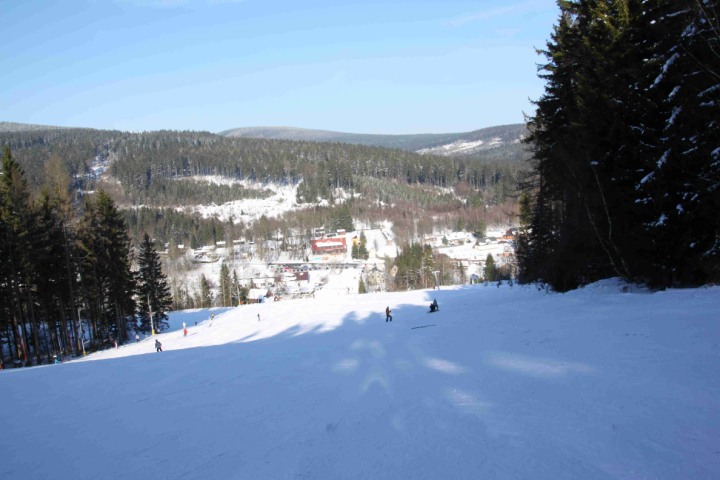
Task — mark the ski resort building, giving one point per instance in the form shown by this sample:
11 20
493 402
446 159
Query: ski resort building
321 246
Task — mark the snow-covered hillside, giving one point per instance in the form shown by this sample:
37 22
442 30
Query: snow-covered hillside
462 147
607 382
249 209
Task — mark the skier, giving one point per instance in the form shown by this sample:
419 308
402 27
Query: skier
388 317
434 306
258 317
137 338
185 332
158 345
55 359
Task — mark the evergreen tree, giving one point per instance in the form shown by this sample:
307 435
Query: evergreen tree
461 274
50 273
108 283
152 287
522 247
240 292
15 218
490 272
681 183
362 252
205 298
342 219
415 265
625 165
225 292
36 275
361 286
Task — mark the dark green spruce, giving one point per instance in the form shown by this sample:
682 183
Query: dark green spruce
153 292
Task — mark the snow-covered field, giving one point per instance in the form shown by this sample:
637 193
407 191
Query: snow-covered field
606 382
250 209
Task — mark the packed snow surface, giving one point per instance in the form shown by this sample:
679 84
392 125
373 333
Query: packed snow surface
606 382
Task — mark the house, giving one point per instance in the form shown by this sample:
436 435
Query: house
322 246
259 295
301 276
375 279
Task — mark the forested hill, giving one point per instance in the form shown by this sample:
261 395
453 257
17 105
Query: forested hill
150 166
456 144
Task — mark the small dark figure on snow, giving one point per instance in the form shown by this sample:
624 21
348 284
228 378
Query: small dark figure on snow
388 317
158 345
434 306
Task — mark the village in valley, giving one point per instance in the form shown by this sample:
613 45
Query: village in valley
290 268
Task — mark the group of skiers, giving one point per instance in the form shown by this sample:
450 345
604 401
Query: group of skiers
158 345
434 307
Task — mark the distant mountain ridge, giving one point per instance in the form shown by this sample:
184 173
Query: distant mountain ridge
446 144
25 127
499 143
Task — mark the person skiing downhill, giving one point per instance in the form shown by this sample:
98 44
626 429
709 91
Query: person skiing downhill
158 345
388 317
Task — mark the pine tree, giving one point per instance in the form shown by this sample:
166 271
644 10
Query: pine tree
240 292
342 219
490 272
108 283
361 286
152 287
362 252
205 299
593 133
681 183
427 267
15 218
225 292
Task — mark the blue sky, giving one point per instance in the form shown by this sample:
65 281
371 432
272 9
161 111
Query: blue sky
354 66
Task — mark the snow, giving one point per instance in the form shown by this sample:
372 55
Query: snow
666 66
609 381
676 111
462 147
250 209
